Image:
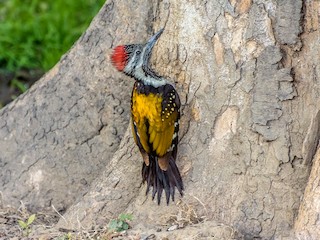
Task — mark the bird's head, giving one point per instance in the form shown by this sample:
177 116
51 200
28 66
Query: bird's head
132 58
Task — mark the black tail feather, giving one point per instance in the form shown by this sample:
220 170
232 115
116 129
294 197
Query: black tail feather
162 180
177 181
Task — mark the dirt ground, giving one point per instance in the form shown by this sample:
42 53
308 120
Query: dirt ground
43 228
9 222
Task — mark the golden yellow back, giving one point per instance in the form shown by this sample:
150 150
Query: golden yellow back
155 127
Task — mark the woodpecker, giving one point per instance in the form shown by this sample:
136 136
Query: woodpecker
155 114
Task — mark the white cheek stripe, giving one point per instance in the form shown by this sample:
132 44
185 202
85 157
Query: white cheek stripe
130 64
140 74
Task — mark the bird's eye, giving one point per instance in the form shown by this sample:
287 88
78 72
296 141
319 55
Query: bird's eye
138 52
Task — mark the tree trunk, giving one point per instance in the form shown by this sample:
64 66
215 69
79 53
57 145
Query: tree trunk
247 74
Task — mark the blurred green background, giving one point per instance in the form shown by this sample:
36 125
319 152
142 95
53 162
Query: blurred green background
33 36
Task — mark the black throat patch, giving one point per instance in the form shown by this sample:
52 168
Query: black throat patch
142 88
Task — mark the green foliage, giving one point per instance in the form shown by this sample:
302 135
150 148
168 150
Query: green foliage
19 85
121 223
35 33
67 236
25 226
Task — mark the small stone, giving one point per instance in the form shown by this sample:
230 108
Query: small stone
172 228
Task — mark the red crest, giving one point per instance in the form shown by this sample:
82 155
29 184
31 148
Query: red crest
119 57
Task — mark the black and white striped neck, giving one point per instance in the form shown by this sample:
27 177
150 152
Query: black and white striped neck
148 77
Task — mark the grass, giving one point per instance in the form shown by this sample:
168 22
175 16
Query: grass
121 223
34 36
25 225
35 33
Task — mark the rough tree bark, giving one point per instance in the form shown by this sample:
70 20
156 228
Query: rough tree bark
247 73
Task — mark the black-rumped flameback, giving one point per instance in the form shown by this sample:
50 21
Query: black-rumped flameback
155 114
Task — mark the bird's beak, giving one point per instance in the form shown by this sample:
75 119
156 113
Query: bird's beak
149 46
